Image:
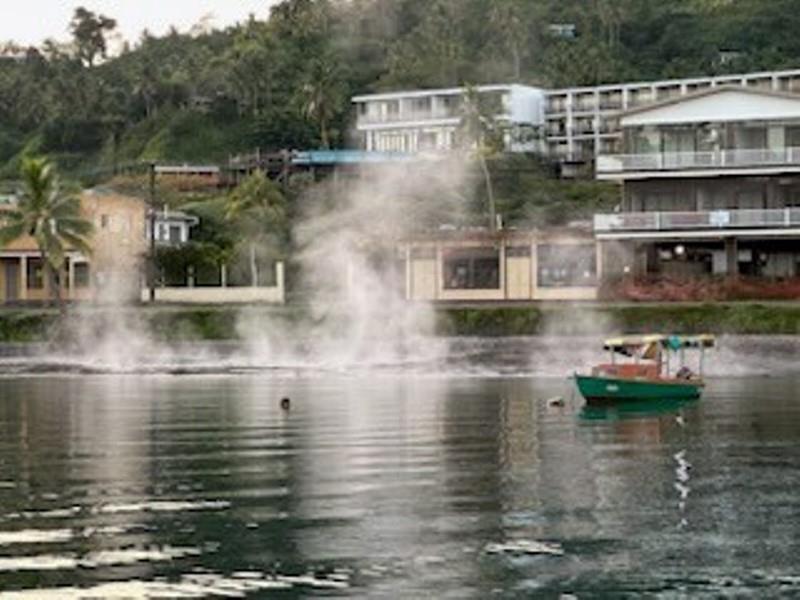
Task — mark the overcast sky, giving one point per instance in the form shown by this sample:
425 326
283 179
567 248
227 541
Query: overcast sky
33 21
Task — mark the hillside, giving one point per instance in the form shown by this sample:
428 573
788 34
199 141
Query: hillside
286 82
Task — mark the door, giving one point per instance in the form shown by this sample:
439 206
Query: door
12 280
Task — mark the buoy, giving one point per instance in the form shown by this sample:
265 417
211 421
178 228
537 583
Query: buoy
286 403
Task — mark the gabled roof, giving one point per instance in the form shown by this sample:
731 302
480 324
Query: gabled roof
743 104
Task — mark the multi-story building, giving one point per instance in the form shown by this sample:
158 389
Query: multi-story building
428 120
571 125
711 185
583 122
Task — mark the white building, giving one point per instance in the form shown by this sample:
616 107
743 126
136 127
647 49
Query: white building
427 120
173 227
577 124
711 186
583 122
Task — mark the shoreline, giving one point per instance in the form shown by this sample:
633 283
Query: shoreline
173 323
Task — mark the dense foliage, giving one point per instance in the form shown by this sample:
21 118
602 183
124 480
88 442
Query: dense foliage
286 82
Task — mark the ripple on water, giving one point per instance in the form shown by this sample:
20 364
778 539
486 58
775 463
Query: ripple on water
104 558
164 506
195 585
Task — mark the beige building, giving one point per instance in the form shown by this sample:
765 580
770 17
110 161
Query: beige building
113 270
509 265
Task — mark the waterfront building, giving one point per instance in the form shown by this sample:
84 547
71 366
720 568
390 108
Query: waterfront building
710 186
111 272
569 125
428 120
583 122
476 265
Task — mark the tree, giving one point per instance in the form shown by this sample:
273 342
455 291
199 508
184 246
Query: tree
50 214
322 96
480 134
257 209
89 34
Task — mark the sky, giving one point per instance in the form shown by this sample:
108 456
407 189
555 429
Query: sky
30 22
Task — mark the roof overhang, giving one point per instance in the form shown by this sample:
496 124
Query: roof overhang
715 105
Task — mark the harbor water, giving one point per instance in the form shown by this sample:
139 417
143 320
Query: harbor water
467 480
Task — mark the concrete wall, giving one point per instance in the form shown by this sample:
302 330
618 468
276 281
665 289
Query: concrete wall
223 295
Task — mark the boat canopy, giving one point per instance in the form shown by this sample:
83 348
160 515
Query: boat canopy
648 346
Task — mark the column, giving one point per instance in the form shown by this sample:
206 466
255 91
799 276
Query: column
503 271
280 280
23 278
409 275
71 277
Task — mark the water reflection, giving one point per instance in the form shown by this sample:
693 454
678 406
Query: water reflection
392 486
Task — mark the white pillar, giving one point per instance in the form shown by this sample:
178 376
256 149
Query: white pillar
280 281
409 274
23 277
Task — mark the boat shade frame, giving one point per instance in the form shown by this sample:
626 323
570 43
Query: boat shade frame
646 345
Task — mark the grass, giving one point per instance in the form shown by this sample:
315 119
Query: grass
218 323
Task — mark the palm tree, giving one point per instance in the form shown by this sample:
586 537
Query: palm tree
51 215
321 96
480 135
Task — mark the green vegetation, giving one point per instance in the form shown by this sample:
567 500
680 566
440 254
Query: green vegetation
218 323
51 215
286 82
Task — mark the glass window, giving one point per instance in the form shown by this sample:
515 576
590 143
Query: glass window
567 265
82 275
175 234
473 269
518 251
35 273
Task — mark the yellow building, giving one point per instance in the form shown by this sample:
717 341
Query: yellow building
509 265
113 271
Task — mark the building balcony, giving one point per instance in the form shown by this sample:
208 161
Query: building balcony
714 223
689 163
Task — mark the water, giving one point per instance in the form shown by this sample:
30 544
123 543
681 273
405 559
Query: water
397 483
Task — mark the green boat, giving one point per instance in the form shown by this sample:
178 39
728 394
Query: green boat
648 374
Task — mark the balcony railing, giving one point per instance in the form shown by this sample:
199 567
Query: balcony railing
674 161
406 116
701 220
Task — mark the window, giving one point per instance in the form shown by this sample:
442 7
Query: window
567 265
105 221
163 233
35 273
421 107
175 236
82 275
473 269
518 251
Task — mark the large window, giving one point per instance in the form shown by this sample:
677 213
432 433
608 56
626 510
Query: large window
567 265
472 269
35 273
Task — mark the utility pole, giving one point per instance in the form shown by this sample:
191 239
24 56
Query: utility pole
152 217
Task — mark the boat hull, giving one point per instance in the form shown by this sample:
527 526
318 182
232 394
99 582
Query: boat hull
613 389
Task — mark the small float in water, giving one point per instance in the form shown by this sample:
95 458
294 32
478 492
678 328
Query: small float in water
647 374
